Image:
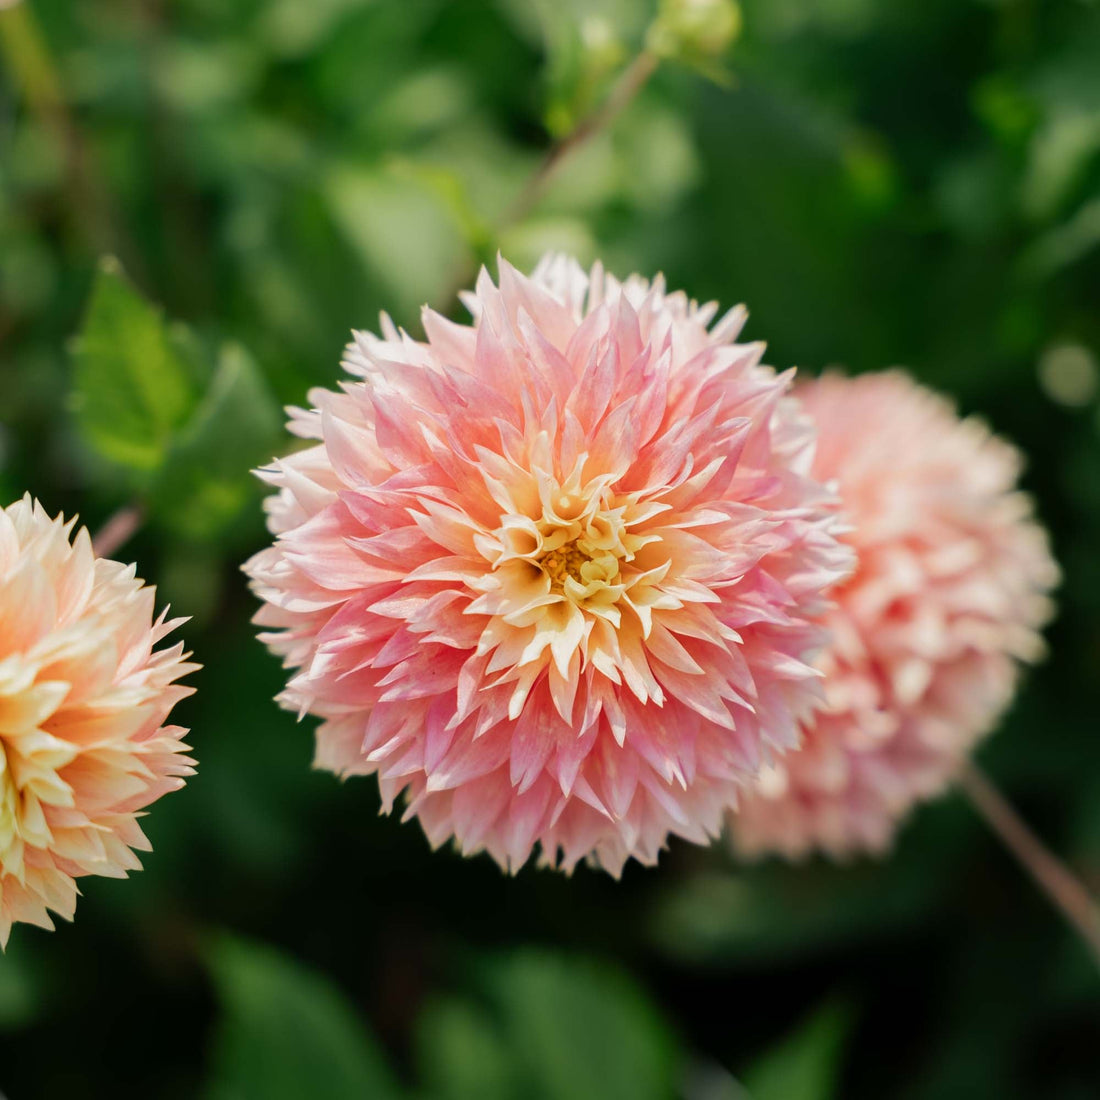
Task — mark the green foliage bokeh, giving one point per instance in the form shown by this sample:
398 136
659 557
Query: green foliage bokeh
881 181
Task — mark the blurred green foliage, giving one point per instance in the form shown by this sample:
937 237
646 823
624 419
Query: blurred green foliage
286 1032
883 181
131 390
805 1064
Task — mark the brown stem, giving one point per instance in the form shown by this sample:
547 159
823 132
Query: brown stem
633 79
118 530
1064 889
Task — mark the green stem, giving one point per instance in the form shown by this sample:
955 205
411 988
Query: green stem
25 53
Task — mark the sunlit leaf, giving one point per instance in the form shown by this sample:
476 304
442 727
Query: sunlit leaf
526 243
206 482
1065 245
406 236
1060 154
131 389
656 157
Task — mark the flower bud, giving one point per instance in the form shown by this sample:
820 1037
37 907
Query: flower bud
695 30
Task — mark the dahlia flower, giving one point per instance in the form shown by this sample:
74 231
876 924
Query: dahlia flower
83 699
928 635
552 574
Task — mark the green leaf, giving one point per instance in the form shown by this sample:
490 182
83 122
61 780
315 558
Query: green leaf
405 234
584 42
206 482
131 388
286 1032
657 161
19 990
805 1065
582 1031
784 912
524 244
462 1054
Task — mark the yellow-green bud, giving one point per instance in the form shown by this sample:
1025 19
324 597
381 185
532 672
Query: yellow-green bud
603 49
692 30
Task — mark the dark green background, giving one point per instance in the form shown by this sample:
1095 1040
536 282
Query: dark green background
887 181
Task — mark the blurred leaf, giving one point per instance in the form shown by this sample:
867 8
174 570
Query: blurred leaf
19 995
1065 245
27 273
1004 108
131 389
871 173
773 910
805 1065
1060 153
975 194
207 482
462 1055
584 42
292 29
197 77
424 102
406 236
582 1031
658 162
286 1033
696 33
526 242
451 192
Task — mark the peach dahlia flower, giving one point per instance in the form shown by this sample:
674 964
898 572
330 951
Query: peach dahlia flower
552 574
83 700
949 594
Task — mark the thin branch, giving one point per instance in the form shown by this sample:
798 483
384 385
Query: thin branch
633 79
118 530
1064 889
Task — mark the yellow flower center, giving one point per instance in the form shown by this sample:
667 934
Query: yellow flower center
576 574
571 561
9 805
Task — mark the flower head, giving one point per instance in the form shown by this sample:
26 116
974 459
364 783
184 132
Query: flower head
551 574
83 701
950 591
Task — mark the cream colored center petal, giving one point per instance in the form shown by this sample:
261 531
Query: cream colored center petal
9 805
30 762
568 576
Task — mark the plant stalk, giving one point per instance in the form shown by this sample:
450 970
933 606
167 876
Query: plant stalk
26 54
1062 887
118 530
633 79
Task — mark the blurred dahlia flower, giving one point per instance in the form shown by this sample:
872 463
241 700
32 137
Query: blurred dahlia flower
83 699
551 574
950 591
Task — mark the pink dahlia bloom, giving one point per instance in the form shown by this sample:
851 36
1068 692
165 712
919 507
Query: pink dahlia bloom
949 594
551 574
83 700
